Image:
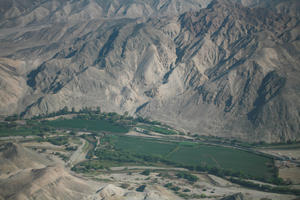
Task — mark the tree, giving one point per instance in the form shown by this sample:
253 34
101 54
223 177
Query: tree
186 190
12 118
63 111
141 188
72 133
98 110
186 175
146 172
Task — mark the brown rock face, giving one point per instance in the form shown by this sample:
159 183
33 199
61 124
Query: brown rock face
229 70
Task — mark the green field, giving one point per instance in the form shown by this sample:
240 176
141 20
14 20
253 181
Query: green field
17 132
90 125
223 157
12 129
142 145
281 146
192 154
157 129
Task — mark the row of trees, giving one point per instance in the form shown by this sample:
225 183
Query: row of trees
188 176
220 172
93 114
266 188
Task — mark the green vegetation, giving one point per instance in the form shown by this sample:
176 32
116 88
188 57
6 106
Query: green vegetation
85 147
283 146
110 154
223 157
288 144
71 148
90 165
193 156
86 119
172 187
141 188
158 129
188 176
109 122
175 188
87 124
117 149
222 140
190 154
142 145
62 156
126 157
168 185
58 140
146 172
266 188
192 196
29 128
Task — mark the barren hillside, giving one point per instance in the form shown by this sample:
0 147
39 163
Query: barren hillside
229 70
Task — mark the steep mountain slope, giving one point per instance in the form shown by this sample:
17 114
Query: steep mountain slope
57 183
45 183
33 12
36 12
226 70
14 157
12 85
245 63
25 174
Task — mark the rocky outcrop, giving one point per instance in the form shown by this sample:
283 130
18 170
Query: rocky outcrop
33 12
226 70
15 157
112 192
237 196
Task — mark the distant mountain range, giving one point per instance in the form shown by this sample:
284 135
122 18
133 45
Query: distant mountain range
225 68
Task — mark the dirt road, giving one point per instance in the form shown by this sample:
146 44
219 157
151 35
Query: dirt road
78 155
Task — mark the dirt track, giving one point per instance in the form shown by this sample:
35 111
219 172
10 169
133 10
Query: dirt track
78 155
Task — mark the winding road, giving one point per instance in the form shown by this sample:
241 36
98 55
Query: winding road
78 155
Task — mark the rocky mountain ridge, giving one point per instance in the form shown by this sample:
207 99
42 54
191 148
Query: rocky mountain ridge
26 174
34 12
226 70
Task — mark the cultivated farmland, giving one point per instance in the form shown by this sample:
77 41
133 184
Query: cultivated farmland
90 125
195 154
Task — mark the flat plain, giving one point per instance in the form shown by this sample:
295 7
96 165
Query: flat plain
194 154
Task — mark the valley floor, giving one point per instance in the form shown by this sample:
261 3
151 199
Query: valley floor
140 164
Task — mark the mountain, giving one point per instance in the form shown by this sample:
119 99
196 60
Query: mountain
45 183
54 182
33 12
26 174
229 69
15 157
